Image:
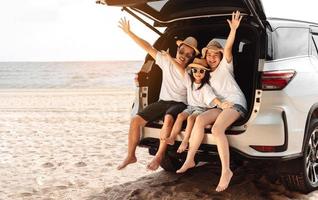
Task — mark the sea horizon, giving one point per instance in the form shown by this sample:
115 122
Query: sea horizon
68 74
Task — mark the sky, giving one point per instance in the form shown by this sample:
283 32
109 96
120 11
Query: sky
81 30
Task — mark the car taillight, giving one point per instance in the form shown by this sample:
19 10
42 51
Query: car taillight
276 80
267 149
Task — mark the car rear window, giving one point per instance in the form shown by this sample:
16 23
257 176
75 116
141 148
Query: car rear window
314 48
287 42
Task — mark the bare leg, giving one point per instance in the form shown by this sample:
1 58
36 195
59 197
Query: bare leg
166 129
197 136
177 128
133 139
185 141
224 120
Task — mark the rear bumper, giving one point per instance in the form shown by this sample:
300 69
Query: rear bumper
269 128
208 152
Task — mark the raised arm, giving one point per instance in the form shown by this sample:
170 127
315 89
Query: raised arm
234 24
125 26
176 64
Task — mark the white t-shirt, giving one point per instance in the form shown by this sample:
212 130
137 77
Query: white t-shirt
172 87
202 97
224 85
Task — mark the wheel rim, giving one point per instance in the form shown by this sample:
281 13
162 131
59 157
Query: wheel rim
312 158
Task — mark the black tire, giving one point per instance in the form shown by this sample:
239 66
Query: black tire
302 174
171 162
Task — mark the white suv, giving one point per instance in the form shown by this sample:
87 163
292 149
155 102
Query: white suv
276 66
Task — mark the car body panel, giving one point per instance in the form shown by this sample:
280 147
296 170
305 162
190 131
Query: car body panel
298 96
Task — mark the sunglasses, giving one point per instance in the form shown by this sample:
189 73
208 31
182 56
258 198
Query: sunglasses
195 70
187 55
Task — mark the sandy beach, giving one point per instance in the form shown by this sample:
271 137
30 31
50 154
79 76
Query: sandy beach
66 144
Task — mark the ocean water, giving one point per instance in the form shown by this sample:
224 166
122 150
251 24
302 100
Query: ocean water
81 75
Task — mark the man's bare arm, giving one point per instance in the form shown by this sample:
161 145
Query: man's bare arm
125 26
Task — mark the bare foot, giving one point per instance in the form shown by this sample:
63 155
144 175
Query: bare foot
170 140
183 146
224 181
154 164
127 161
186 165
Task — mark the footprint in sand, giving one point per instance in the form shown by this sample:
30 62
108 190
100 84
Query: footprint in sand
61 187
81 164
26 194
47 165
109 164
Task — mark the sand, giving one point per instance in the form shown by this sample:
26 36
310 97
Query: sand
66 144
200 183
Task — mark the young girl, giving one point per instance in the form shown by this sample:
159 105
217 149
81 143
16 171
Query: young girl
200 98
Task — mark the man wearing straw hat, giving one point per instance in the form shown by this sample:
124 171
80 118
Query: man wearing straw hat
172 98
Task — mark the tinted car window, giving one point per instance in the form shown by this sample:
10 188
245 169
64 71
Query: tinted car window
314 48
289 42
269 53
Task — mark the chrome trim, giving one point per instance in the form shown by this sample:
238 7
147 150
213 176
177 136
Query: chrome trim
287 58
143 95
261 63
256 107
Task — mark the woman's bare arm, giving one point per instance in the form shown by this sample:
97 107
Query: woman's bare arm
234 24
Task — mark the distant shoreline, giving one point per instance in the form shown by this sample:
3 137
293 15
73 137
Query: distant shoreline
77 75
73 91
73 61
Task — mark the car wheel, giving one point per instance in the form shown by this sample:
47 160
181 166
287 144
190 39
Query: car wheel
171 162
302 173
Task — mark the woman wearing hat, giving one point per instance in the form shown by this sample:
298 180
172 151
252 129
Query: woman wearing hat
172 96
200 98
233 107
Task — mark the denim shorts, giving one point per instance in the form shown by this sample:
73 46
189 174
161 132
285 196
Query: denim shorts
195 110
240 109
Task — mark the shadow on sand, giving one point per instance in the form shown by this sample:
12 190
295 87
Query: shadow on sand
200 183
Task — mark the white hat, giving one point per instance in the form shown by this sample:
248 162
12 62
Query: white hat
199 63
191 42
214 45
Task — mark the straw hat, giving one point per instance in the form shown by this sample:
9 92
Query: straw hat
214 45
199 63
191 42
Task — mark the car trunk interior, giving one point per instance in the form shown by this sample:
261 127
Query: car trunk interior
245 54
